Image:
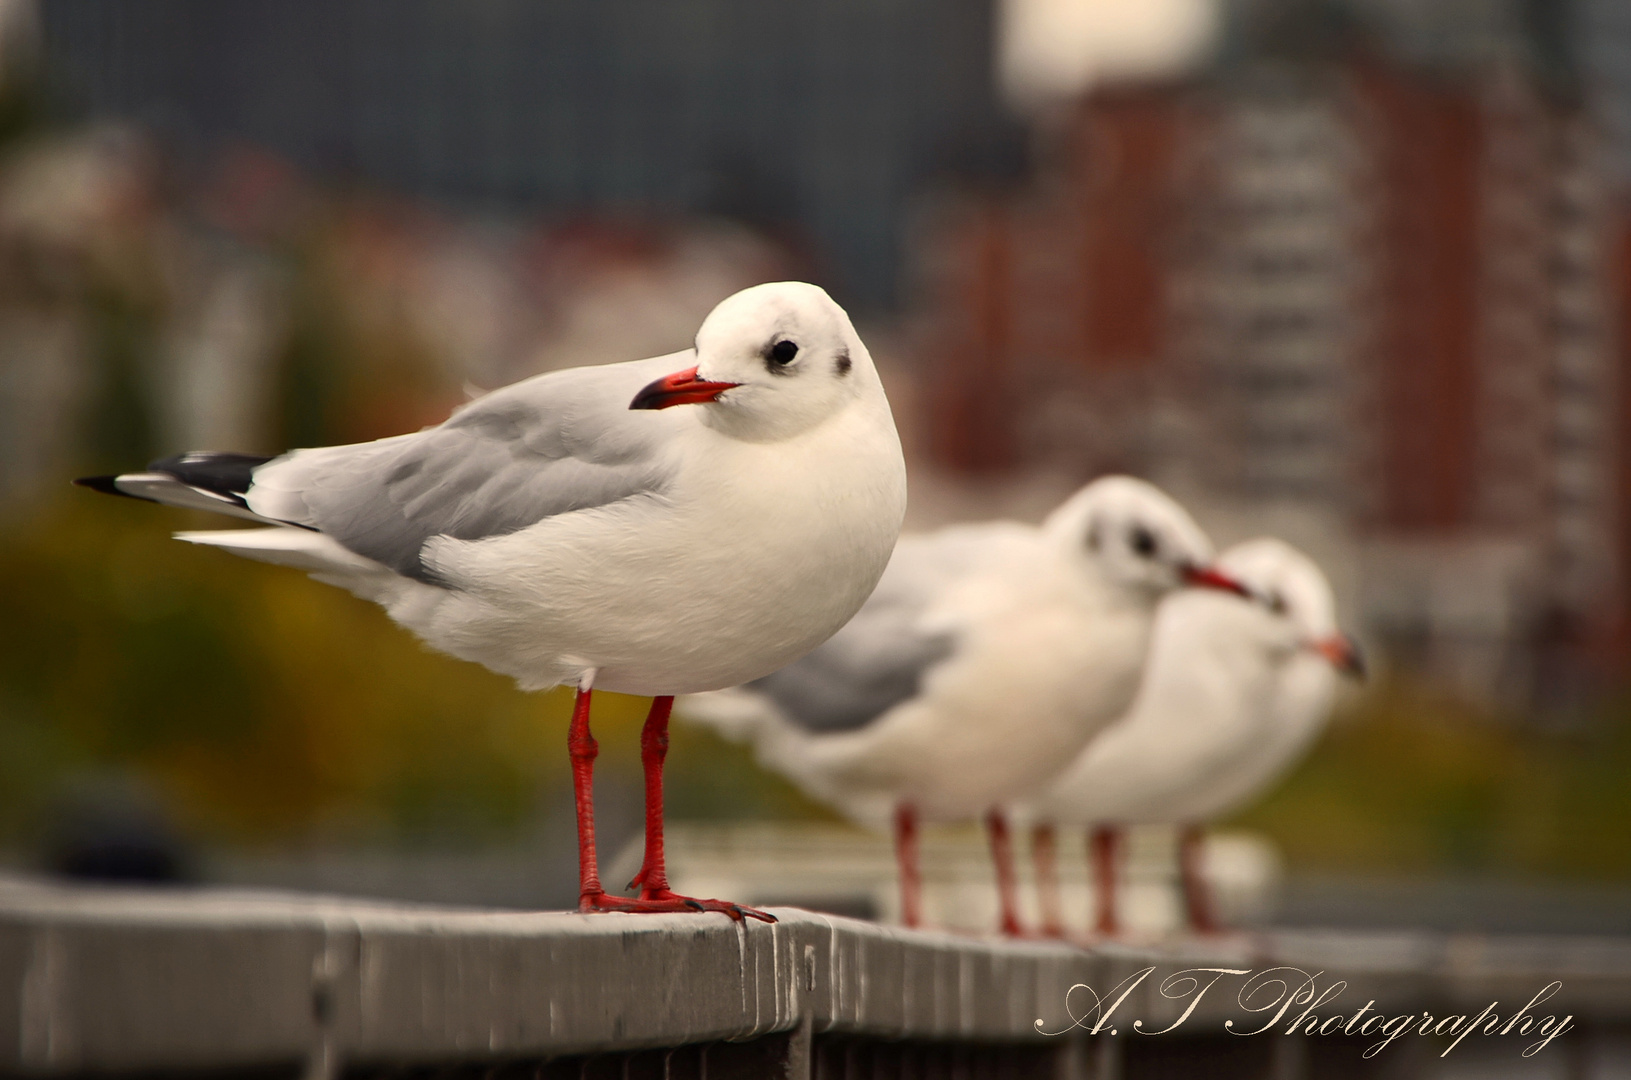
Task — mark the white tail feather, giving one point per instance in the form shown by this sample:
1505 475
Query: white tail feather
319 555
288 546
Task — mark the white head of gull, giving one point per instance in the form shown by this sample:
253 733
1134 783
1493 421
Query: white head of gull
580 527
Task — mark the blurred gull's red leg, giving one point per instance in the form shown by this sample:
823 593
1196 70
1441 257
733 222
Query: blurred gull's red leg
1043 854
1002 855
911 883
1104 844
1197 894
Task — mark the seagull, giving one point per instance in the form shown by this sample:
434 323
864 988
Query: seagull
658 527
1233 694
989 654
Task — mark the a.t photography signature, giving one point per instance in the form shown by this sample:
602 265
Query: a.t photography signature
1279 990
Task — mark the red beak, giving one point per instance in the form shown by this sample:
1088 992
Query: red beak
1343 654
680 388
1206 577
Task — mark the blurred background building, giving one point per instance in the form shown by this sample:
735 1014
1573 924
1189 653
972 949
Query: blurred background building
1369 264
816 122
1351 271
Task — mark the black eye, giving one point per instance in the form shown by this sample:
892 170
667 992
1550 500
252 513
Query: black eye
1277 603
1093 538
1142 541
782 352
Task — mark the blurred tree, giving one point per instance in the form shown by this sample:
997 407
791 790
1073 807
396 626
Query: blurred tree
119 421
1412 781
353 364
264 706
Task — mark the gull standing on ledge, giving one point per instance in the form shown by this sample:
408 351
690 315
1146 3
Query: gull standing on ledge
578 527
1234 693
987 657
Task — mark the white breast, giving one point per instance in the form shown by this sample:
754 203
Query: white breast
757 553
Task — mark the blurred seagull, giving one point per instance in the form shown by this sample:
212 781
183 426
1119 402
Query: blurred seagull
987 657
578 528
1233 694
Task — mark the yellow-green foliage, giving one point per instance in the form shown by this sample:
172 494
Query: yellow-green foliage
263 705
1411 782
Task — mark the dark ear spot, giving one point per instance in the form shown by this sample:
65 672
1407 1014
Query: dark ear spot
842 364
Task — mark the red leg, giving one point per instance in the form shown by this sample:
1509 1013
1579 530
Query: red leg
1047 880
911 882
652 879
653 875
1197 894
1104 843
583 748
1002 855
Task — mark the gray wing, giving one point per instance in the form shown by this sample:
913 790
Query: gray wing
880 657
559 442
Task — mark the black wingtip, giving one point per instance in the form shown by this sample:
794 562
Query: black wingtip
216 471
104 484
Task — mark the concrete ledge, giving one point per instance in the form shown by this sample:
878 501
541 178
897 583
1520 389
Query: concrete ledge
127 980
131 979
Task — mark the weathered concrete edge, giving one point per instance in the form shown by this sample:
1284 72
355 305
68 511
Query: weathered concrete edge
124 979
132 978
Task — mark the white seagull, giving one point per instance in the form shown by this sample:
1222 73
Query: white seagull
987 657
1233 694
576 528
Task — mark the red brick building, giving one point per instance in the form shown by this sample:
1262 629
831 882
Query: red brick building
1385 294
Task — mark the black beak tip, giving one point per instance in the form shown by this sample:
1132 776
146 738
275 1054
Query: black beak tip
1356 664
104 484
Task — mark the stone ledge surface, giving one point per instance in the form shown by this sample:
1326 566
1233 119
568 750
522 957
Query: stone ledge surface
128 979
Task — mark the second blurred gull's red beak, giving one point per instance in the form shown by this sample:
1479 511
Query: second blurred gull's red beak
1343 653
680 388
1207 577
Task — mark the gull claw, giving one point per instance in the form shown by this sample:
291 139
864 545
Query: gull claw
667 901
